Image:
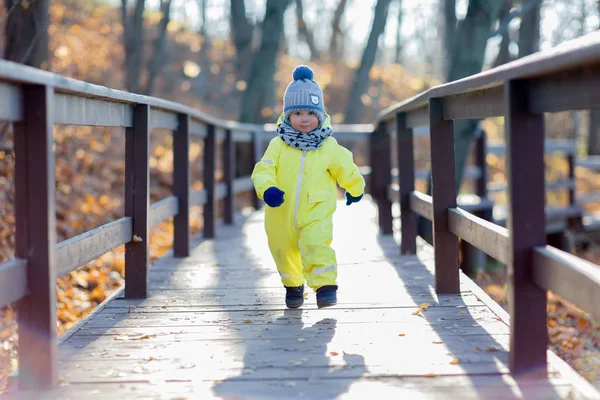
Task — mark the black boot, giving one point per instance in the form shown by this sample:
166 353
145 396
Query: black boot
327 296
294 296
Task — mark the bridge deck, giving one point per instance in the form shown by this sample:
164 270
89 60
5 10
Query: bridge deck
215 326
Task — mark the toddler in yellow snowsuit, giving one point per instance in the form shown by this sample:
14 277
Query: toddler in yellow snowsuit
297 177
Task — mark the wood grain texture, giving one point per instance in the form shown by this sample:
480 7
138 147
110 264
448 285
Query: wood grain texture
215 324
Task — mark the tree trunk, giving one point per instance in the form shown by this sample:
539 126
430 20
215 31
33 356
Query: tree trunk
305 32
529 31
202 7
336 31
263 68
159 54
133 33
354 108
261 86
398 57
449 32
26 32
503 53
242 31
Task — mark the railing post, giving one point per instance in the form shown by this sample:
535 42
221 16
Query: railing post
471 256
229 176
443 189
36 239
256 154
181 186
381 172
137 202
406 180
209 214
527 229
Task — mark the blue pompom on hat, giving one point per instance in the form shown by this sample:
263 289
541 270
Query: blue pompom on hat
303 93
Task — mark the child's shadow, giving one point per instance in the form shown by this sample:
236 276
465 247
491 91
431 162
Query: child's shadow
294 361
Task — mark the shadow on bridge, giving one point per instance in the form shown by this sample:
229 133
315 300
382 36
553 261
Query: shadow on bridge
286 352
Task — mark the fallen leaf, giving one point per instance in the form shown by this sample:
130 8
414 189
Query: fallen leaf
430 375
477 349
422 307
492 348
437 342
455 361
247 321
402 334
334 353
137 239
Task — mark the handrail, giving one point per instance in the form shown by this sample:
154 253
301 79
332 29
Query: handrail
34 101
564 78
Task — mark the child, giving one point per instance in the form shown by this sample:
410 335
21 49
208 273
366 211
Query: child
296 177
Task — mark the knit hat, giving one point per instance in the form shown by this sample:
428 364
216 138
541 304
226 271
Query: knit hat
303 93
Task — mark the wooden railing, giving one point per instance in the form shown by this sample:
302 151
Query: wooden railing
34 101
564 78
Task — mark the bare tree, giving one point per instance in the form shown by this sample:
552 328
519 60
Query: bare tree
26 32
305 32
260 84
242 31
157 61
336 32
503 53
399 44
449 10
133 32
354 107
529 31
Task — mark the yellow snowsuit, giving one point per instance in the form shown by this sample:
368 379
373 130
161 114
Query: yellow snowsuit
300 230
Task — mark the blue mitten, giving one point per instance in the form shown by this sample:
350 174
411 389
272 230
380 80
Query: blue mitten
273 196
351 199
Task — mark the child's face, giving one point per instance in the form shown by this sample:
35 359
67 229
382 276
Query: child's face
304 120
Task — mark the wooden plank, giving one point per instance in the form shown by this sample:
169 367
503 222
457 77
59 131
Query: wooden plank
35 238
242 136
229 177
81 249
443 190
71 109
486 236
163 210
406 178
570 277
575 89
163 119
181 187
565 146
11 102
484 103
418 117
220 191
243 184
421 204
560 184
285 387
257 153
209 213
198 197
137 202
198 128
589 162
471 172
13 281
527 228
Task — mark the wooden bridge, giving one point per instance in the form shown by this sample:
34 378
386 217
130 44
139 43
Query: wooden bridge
208 320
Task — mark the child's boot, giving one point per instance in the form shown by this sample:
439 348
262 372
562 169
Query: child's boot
294 296
326 296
